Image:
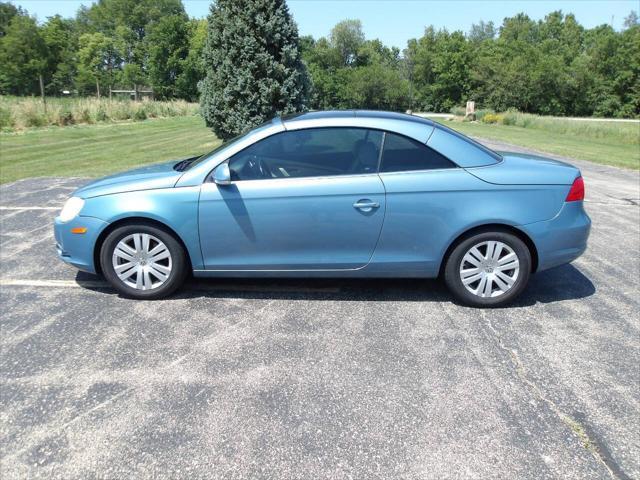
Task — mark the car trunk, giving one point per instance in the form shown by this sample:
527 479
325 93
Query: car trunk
522 169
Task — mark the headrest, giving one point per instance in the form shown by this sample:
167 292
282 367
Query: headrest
366 155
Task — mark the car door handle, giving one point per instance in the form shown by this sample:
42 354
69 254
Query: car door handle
366 205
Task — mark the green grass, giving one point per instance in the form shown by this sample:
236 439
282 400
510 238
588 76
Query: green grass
607 150
94 150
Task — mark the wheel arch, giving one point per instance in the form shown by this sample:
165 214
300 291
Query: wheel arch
134 221
492 227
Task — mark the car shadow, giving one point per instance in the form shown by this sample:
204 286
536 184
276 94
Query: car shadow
235 203
561 283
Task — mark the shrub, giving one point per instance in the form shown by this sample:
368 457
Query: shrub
140 114
101 115
492 118
82 115
32 115
510 117
65 117
458 111
5 117
482 112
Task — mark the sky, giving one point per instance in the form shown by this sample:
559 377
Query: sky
396 21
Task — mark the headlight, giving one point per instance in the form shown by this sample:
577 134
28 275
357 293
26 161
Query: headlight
71 208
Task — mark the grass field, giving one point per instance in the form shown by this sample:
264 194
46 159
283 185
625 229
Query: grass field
94 150
620 149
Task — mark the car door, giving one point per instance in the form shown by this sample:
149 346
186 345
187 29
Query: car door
299 200
424 194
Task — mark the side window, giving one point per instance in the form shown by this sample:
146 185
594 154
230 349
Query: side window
402 154
309 153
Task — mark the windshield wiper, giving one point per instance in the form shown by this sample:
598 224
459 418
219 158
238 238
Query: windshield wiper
183 164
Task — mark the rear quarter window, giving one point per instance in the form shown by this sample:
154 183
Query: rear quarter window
462 150
401 154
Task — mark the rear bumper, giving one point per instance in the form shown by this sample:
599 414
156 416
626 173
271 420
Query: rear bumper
561 239
77 249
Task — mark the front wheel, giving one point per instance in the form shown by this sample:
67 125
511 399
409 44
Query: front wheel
488 269
143 261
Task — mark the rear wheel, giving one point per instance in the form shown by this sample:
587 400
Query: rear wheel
143 261
488 269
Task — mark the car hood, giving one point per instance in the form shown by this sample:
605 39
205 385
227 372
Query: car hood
159 175
525 169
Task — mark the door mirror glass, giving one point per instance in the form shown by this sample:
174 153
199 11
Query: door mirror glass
222 174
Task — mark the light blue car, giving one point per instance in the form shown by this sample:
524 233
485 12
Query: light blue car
332 194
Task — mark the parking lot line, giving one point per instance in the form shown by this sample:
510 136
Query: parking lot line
52 283
28 208
199 286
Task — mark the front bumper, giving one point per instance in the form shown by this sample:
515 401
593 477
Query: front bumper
561 239
77 249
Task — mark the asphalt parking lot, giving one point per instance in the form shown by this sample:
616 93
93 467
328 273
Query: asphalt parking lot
319 379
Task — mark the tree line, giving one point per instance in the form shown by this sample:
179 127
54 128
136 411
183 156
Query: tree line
553 66
112 43
250 51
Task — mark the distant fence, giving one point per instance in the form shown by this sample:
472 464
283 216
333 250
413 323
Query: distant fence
136 93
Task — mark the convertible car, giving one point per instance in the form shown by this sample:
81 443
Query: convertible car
332 194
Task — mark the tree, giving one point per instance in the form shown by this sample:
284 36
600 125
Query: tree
127 23
61 39
23 57
167 46
375 86
7 12
347 37
627 81
349 71
631 20
253 65
440 62
482 31
98 58
193 67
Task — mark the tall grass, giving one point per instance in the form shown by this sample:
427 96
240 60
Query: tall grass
19 113
625 133
628 133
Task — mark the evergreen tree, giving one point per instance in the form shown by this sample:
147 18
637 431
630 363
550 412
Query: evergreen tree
253 65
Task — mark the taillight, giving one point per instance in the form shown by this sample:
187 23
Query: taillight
577 191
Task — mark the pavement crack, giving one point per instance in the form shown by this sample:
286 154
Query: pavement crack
627 201
577 423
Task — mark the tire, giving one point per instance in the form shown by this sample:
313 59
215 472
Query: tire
505 278
152 260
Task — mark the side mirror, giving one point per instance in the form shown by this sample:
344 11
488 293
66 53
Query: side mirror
222 174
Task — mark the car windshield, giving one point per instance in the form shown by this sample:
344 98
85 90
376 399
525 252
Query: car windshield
226 144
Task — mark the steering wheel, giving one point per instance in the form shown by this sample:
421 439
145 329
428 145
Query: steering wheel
256 168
